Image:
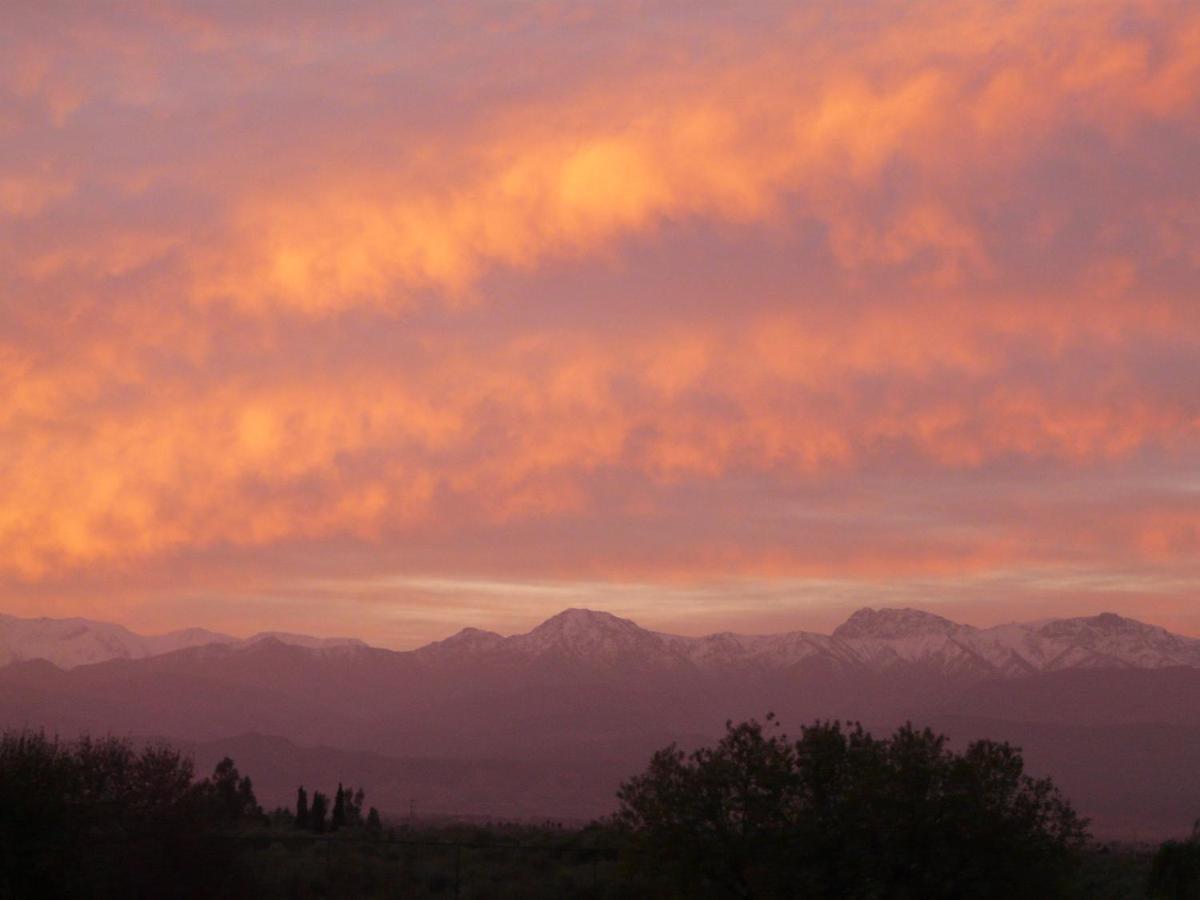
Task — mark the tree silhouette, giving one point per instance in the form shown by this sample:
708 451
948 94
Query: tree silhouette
840 813
231 795
317 812
100 818
1175 872
338 819
374 824
301 807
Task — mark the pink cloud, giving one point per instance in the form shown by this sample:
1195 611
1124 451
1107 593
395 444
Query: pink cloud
791 295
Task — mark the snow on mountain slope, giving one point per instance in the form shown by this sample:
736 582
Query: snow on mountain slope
178 640
1103 641
303 640
886 638
889 638
763 651
597 638
896 624
69 643
468 644
76 642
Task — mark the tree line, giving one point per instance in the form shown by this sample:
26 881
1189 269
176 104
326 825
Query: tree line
346 812
834 812
840 813
102 818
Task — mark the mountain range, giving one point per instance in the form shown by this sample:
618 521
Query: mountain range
546 723
870 640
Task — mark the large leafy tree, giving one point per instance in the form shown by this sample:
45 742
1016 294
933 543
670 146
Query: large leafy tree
230 794
839 813
103 818
1175 873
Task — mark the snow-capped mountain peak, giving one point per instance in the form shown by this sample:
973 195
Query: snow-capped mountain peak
465 644
590 636
890 624
573 623
577 621
472 637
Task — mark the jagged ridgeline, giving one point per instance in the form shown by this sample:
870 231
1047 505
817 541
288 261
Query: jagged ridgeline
870 639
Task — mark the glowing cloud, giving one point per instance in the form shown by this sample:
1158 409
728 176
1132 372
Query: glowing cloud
846 295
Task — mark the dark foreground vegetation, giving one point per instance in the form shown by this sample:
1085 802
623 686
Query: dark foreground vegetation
832 813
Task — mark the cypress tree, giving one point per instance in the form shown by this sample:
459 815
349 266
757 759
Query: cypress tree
247 802
316 812
301 808
339 809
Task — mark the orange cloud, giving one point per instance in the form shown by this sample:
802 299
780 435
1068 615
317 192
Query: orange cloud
524 429
853 291
957 92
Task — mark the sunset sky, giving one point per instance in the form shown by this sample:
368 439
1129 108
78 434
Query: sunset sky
389 319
